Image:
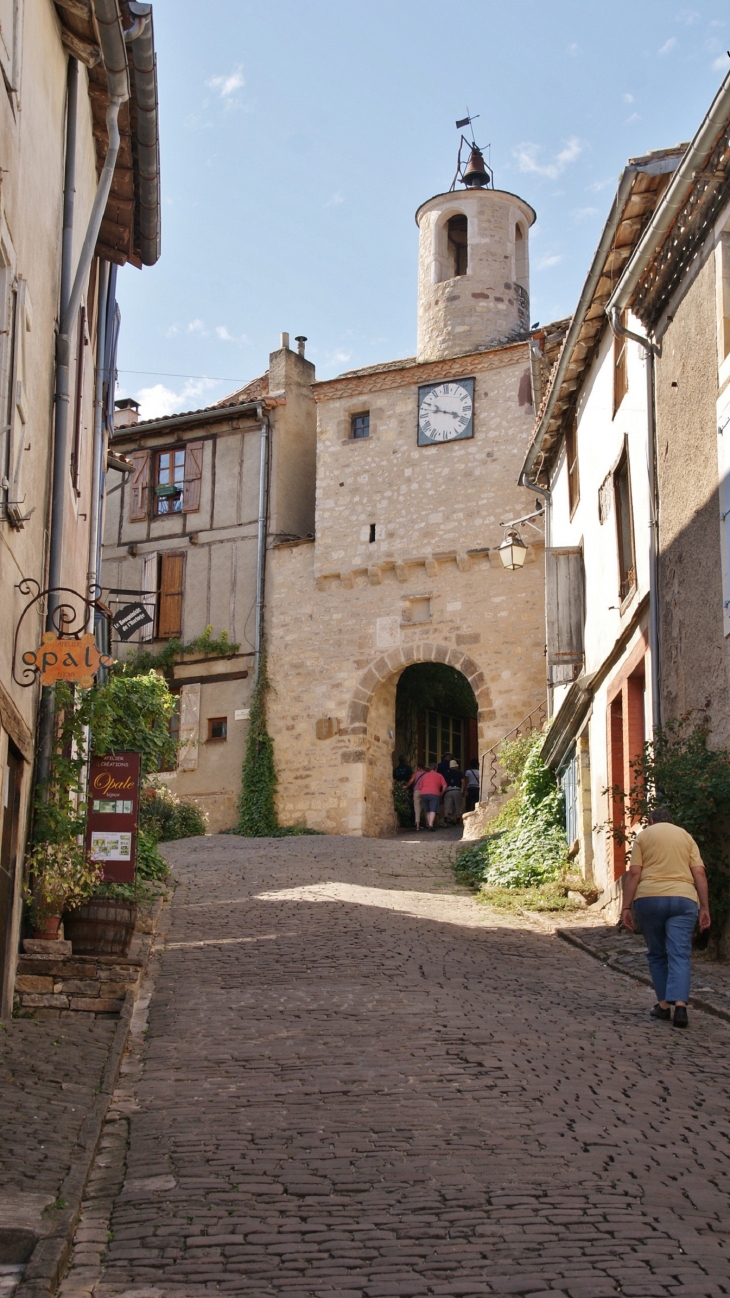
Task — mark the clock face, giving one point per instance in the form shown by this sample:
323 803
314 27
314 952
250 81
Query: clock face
445 412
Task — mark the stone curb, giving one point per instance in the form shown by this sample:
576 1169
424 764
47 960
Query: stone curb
696 1002
47 1263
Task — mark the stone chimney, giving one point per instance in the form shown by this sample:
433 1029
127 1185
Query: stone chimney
126 412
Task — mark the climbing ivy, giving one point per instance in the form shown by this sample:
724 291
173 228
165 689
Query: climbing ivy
257 810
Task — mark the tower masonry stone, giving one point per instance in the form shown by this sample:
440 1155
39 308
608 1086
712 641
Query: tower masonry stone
488 303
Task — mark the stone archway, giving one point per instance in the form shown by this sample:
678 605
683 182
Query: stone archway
371 720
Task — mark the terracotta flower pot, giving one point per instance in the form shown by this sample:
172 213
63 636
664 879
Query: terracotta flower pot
48 931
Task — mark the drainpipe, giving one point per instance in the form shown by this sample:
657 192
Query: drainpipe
111 38
262 535
98 468
650 349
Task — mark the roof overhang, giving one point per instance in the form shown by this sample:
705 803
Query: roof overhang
640 188
130 229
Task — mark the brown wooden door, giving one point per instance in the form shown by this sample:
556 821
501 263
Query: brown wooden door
8 853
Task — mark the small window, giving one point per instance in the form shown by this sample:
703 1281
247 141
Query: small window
620 372
571 456
458 242
372 533
360 425
170 481
624 528
217 728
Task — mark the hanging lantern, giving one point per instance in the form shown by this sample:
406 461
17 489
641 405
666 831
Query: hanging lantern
513 551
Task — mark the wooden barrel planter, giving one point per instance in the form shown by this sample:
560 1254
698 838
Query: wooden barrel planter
103 926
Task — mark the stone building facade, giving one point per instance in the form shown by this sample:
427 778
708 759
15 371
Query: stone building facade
191 557
410 497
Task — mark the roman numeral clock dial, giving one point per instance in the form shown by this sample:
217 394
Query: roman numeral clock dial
445 412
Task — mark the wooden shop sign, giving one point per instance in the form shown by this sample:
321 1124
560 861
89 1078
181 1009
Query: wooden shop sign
67 659
111 820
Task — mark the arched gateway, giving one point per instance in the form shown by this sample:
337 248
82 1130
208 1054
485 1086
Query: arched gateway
371 716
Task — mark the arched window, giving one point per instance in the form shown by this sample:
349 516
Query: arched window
458 245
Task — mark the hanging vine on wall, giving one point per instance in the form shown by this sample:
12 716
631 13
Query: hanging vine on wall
257 806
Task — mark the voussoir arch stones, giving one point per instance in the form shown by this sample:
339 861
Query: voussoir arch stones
396 659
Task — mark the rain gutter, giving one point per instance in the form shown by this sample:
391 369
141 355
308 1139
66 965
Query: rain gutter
674 198
144 65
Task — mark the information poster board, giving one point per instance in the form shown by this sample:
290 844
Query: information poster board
111 833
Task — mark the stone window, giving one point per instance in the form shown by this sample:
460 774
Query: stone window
372 533
417 609
458 245
360 425
217 728
520 257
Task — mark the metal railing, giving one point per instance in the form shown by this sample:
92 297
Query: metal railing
489 785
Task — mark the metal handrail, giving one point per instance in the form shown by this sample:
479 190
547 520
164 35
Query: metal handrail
533 721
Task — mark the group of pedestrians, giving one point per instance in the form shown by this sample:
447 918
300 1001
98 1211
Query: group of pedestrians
440 789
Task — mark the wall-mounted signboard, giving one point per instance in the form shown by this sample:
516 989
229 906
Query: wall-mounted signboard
111 834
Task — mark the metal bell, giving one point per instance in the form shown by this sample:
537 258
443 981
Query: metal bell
475 174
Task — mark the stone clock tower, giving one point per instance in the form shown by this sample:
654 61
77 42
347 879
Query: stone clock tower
417 468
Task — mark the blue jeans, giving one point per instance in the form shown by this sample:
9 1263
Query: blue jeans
668 924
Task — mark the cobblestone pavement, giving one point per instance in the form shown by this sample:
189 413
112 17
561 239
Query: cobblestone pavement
357 1081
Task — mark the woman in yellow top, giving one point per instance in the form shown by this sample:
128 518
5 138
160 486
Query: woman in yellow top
667 884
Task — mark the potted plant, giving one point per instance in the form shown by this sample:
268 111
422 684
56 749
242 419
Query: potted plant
61 877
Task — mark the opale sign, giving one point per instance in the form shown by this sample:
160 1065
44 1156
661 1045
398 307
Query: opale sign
67 659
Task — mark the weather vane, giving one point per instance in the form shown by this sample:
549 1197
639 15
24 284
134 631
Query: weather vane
476 174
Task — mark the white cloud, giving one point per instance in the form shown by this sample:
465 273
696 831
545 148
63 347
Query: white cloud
633 118
598 185
528 155
158 400
335 200
225 336
573 50
628 99
172 330
545 263
196 327
668 46
582 213
687 16
721 64
227 86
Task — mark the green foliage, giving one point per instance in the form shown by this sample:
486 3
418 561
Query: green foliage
61 878
402 804
131 714
59 807
526 846
679 771
550 896
144 660
165 817
257 810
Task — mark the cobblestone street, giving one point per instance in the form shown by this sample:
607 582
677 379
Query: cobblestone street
355 1080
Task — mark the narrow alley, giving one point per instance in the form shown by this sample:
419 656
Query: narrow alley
356 1080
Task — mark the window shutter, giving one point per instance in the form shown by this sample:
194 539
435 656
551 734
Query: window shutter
149 583
172 570
565 599
139 486
193 474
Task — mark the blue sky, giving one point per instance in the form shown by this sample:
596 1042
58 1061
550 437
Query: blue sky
298 139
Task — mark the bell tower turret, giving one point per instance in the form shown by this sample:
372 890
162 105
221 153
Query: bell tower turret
473 266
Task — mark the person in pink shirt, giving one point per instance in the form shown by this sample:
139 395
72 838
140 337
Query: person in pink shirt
431 786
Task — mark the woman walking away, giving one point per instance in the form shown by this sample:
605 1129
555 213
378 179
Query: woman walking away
667 883
431 787
470 786
414 786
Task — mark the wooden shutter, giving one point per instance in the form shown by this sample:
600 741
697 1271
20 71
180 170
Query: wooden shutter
149 583
172 572
139 486
193 475
565 600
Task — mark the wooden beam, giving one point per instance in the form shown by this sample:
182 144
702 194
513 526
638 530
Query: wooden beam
81 8
82 50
